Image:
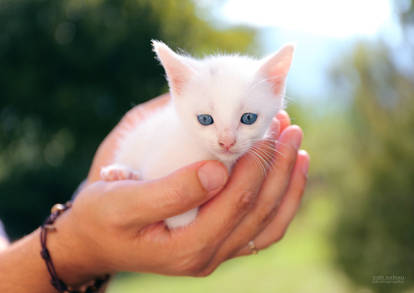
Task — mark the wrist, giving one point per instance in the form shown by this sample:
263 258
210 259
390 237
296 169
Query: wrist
75 260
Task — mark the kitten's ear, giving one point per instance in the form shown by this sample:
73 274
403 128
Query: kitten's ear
176 67
276 67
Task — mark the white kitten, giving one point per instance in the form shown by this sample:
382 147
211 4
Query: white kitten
220 106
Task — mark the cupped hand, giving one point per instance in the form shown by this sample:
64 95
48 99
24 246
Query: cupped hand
119 224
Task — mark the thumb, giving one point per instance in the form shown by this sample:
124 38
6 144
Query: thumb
184 189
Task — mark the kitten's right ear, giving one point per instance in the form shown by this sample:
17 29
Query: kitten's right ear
276 67
176 67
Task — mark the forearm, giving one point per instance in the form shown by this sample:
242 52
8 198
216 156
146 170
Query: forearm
22 268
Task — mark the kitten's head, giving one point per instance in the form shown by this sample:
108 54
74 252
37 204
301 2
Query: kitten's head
226 102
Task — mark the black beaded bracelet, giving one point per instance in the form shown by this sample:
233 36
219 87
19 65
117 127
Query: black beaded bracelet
56 282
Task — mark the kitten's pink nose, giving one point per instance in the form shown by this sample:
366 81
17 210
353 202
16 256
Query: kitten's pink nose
227 142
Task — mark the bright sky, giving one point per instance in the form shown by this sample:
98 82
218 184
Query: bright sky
329 18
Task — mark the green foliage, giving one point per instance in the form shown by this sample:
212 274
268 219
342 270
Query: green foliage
374 236
68 71
362 151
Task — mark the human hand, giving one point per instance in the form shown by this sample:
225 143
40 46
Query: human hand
273 228
120 230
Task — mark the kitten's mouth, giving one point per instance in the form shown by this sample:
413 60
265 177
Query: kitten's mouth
226 155
228 152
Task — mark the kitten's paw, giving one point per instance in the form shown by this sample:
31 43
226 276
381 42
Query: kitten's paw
118 172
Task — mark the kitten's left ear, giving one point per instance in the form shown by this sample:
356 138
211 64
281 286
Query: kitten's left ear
176 67
276 67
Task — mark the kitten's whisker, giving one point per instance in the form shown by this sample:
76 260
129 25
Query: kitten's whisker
258 160
268 139
272 147
258 151
268 156
265 153
266 146
268 143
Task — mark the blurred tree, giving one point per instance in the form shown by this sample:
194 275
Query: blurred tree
374 236
69 70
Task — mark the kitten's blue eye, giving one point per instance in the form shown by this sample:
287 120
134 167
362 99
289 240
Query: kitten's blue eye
205 119
248 118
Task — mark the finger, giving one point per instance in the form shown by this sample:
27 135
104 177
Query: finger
225 211
273 189
288 208
284 119
274 129
286 150
151 201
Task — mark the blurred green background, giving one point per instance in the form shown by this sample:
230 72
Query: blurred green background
70 69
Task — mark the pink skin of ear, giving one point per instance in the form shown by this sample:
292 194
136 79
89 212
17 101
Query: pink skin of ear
276 67
178 72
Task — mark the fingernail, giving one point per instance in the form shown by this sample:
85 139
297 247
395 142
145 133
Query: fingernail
212 176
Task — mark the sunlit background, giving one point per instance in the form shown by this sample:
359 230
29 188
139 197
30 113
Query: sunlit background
70 69
322 29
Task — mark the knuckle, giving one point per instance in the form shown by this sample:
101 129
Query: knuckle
265 218
269 209
246 200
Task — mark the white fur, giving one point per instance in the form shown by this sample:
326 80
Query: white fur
222 86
